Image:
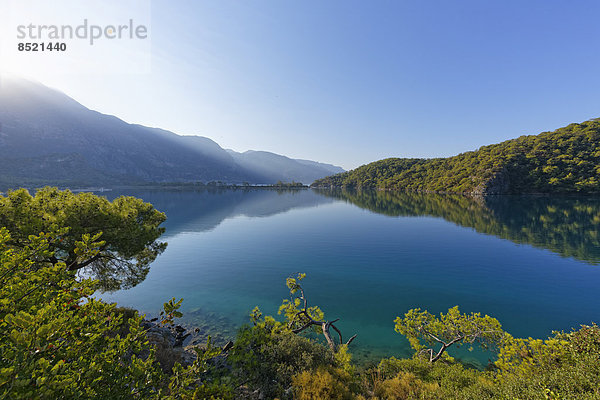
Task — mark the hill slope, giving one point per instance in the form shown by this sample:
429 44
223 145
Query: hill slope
564 161
47 137
282 168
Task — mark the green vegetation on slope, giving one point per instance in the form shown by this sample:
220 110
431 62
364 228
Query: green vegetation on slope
564 161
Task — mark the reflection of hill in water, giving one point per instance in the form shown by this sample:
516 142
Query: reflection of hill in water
203 210
569 226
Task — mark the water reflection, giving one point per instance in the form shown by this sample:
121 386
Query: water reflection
203 210
568 226
198 211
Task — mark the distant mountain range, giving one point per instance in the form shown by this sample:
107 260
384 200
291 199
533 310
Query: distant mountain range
564 161
47 137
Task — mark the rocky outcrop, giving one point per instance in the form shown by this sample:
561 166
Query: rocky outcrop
168 342
497 184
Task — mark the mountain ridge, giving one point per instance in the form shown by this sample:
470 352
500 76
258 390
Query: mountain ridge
46 137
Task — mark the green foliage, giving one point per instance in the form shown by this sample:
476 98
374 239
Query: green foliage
171 311
296 303
343 359
523 356
267 356
58 342
294 283
195 381
405 386
129 230
324 383
584 341
423 329
255 315
419 379
566 366
564 161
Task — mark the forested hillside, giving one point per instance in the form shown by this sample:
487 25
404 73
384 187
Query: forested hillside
564 161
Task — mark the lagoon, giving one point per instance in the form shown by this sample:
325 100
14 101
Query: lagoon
530 261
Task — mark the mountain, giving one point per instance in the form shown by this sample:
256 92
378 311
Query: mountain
281 168
332 169
564 161
47 137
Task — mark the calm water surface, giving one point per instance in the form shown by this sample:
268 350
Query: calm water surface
531 262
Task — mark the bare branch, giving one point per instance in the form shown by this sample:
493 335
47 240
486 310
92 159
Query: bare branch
325 326
350 340
337 330
310 321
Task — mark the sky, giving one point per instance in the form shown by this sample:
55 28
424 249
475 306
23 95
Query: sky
343 82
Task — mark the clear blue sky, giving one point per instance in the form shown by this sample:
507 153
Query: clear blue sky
349 82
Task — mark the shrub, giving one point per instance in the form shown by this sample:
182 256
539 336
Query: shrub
405 386
324 383
267 357
420 379
566 366
56 341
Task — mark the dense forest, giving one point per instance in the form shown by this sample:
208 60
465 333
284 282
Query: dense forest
58 341
564 161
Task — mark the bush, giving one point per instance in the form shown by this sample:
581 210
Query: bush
324 383
417 378
566 366
405 386
58 342
267 356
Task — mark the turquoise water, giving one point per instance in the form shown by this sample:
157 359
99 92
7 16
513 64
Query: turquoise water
531 262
